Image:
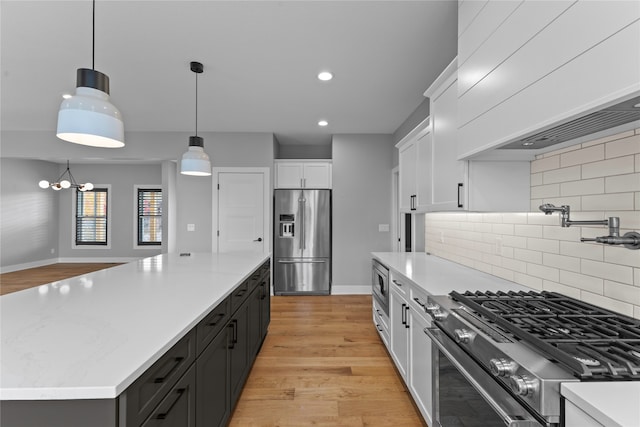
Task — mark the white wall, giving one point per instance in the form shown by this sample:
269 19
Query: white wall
28 214
362 167
598 179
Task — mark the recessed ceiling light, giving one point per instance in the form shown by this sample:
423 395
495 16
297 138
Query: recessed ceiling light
325 76
323 123
527 144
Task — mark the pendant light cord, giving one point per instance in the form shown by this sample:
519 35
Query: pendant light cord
196 104
93 38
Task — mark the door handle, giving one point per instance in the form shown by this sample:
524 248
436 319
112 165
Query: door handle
460 185
259 239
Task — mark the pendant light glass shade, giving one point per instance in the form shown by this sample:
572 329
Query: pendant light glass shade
195 161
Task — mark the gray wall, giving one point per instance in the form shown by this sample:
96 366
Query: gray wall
28 214
414 119
362 167
304 151
122 178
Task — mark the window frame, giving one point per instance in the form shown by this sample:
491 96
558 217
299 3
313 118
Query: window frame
74 202
136 244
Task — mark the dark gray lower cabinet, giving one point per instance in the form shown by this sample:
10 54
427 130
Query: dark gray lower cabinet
213 406
239 351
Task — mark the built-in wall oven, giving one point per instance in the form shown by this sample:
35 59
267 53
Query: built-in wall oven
500 358
380 285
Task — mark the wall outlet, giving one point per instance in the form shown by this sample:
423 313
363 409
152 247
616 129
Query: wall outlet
383 228
191 227
441 237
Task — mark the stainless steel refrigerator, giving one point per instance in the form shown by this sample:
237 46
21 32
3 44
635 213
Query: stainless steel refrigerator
302 242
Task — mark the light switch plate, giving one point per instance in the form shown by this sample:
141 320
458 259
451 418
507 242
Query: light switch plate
191 227
383 228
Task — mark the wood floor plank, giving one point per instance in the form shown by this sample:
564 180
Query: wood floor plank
324 350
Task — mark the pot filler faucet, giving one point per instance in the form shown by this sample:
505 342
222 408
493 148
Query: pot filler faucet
630 240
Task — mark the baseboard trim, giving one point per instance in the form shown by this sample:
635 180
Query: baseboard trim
351 290
42 263
26 265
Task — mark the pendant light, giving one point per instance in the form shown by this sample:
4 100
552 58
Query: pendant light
195 161
68 182
88 118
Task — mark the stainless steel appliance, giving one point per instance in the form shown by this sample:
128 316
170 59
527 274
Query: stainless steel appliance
302 242
380 285
499 358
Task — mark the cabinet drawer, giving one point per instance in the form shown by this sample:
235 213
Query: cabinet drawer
401 285
178 408
142 397
240 294
418 303
209 327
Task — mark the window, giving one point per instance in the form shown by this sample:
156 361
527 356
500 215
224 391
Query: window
149 215
91 217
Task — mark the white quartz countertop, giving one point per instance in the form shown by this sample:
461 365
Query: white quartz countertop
91 336
439 276
612 404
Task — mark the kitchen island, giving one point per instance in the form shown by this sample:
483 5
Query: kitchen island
89 338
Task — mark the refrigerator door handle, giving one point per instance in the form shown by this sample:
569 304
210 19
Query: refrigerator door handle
306 261
303 242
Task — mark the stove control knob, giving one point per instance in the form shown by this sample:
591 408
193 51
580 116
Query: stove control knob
502 367
437 315
522 385
462 336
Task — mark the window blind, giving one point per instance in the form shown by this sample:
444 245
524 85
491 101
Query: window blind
149 216
91 217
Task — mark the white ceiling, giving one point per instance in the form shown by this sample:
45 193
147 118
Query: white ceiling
260 62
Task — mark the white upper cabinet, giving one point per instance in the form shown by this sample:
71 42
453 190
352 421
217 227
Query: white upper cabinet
303 174
526 66
414 157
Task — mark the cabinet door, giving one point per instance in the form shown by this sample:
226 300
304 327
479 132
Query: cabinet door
265 305
178 408
239 351
253 328
317 175
424 172
212 371
407 163
289 175
420 373
398 314
448 173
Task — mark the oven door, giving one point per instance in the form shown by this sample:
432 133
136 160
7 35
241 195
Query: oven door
466 395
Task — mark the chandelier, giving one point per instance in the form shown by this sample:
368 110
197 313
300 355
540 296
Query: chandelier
66 180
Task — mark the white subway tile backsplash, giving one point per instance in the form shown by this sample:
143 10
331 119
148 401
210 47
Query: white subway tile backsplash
528 230
607 271
577 280
621 255
561 262
637 167
514 218
602 140
543 272
502 229
536 178
545 164
550 286
579 188
622 183
603 202
611 167
623 147
582 250
582 156
541 219
515 265
622 292
543 191
561 175
506 273
607 303
514 242
561 233
637 201
526 280
543 245
527 255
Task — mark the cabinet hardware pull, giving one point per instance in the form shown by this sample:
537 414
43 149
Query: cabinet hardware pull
396 282
176 362
379 328
179 393
460 185
403 315
420 303
406 317
232 345
218 317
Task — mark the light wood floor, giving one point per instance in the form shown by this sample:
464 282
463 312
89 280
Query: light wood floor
24 279
322 362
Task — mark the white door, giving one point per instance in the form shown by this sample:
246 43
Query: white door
241 211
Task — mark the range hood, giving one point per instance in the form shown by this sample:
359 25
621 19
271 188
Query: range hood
607 118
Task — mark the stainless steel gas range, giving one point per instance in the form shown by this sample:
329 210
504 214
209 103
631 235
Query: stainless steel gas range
500 357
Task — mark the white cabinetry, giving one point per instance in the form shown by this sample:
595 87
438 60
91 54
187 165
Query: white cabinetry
303 174
576 417
414 157
526 66
398 314
448 173
410 347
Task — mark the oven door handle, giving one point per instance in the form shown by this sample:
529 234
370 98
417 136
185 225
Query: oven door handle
434 334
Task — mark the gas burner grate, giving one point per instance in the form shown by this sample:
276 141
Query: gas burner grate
593 342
